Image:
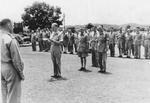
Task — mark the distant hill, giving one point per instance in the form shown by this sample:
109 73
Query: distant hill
107 26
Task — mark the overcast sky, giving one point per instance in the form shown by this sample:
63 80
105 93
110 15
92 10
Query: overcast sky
85 11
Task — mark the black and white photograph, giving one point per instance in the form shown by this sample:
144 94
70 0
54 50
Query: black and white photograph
75 51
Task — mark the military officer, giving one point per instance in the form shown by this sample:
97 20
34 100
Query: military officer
40 40
33 41
112 43
102 49
65 41
121 38
129 42
71 42
56 51
137 44
93 44
146 43
11 65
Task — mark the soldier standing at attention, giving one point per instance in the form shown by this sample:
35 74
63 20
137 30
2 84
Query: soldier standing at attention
56 51
129 43
65 41
40 40
11 65
71 42
137 44
112 43
93 43
83 50
146 43
33 41
120 42
102 50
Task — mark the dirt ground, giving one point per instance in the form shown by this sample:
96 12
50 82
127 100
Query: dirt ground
126 81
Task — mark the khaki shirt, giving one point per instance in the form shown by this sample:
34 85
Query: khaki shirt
10 51
102 43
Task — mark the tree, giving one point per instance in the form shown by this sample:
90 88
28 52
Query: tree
18 28
89 26
41 15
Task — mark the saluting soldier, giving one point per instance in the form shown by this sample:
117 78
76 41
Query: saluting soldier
137 44
56 51
102 49
146 43
112 43
11 65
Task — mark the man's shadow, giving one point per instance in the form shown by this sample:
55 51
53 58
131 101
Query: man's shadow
106 73
57 79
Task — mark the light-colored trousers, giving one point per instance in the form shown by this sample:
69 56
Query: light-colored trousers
10 84
56 59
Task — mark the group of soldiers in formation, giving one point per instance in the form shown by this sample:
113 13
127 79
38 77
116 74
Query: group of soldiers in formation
97 41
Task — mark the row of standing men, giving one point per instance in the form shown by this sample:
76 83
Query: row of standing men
129 41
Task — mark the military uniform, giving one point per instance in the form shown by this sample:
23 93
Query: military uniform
40 41
93 44
11 69
83 46
112 44
102 51
33 41
137 46
129 43
75 41
121 39
71 43
65 42
56 52
47 43
147 45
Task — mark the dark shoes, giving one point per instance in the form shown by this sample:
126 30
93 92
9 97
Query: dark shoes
102 71
55 76
81 69
65 52
128 57
84 69
120 56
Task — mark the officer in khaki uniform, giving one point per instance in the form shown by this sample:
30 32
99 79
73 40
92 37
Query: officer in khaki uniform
137 44
11 65
129 42
93 43
56 51
112 43
33 41
146 42
121 39
102 49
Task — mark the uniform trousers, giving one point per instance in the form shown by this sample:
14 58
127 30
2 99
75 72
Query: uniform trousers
56 59
102 60
147 49
10 84
137 51
94 58
33 46
112 49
